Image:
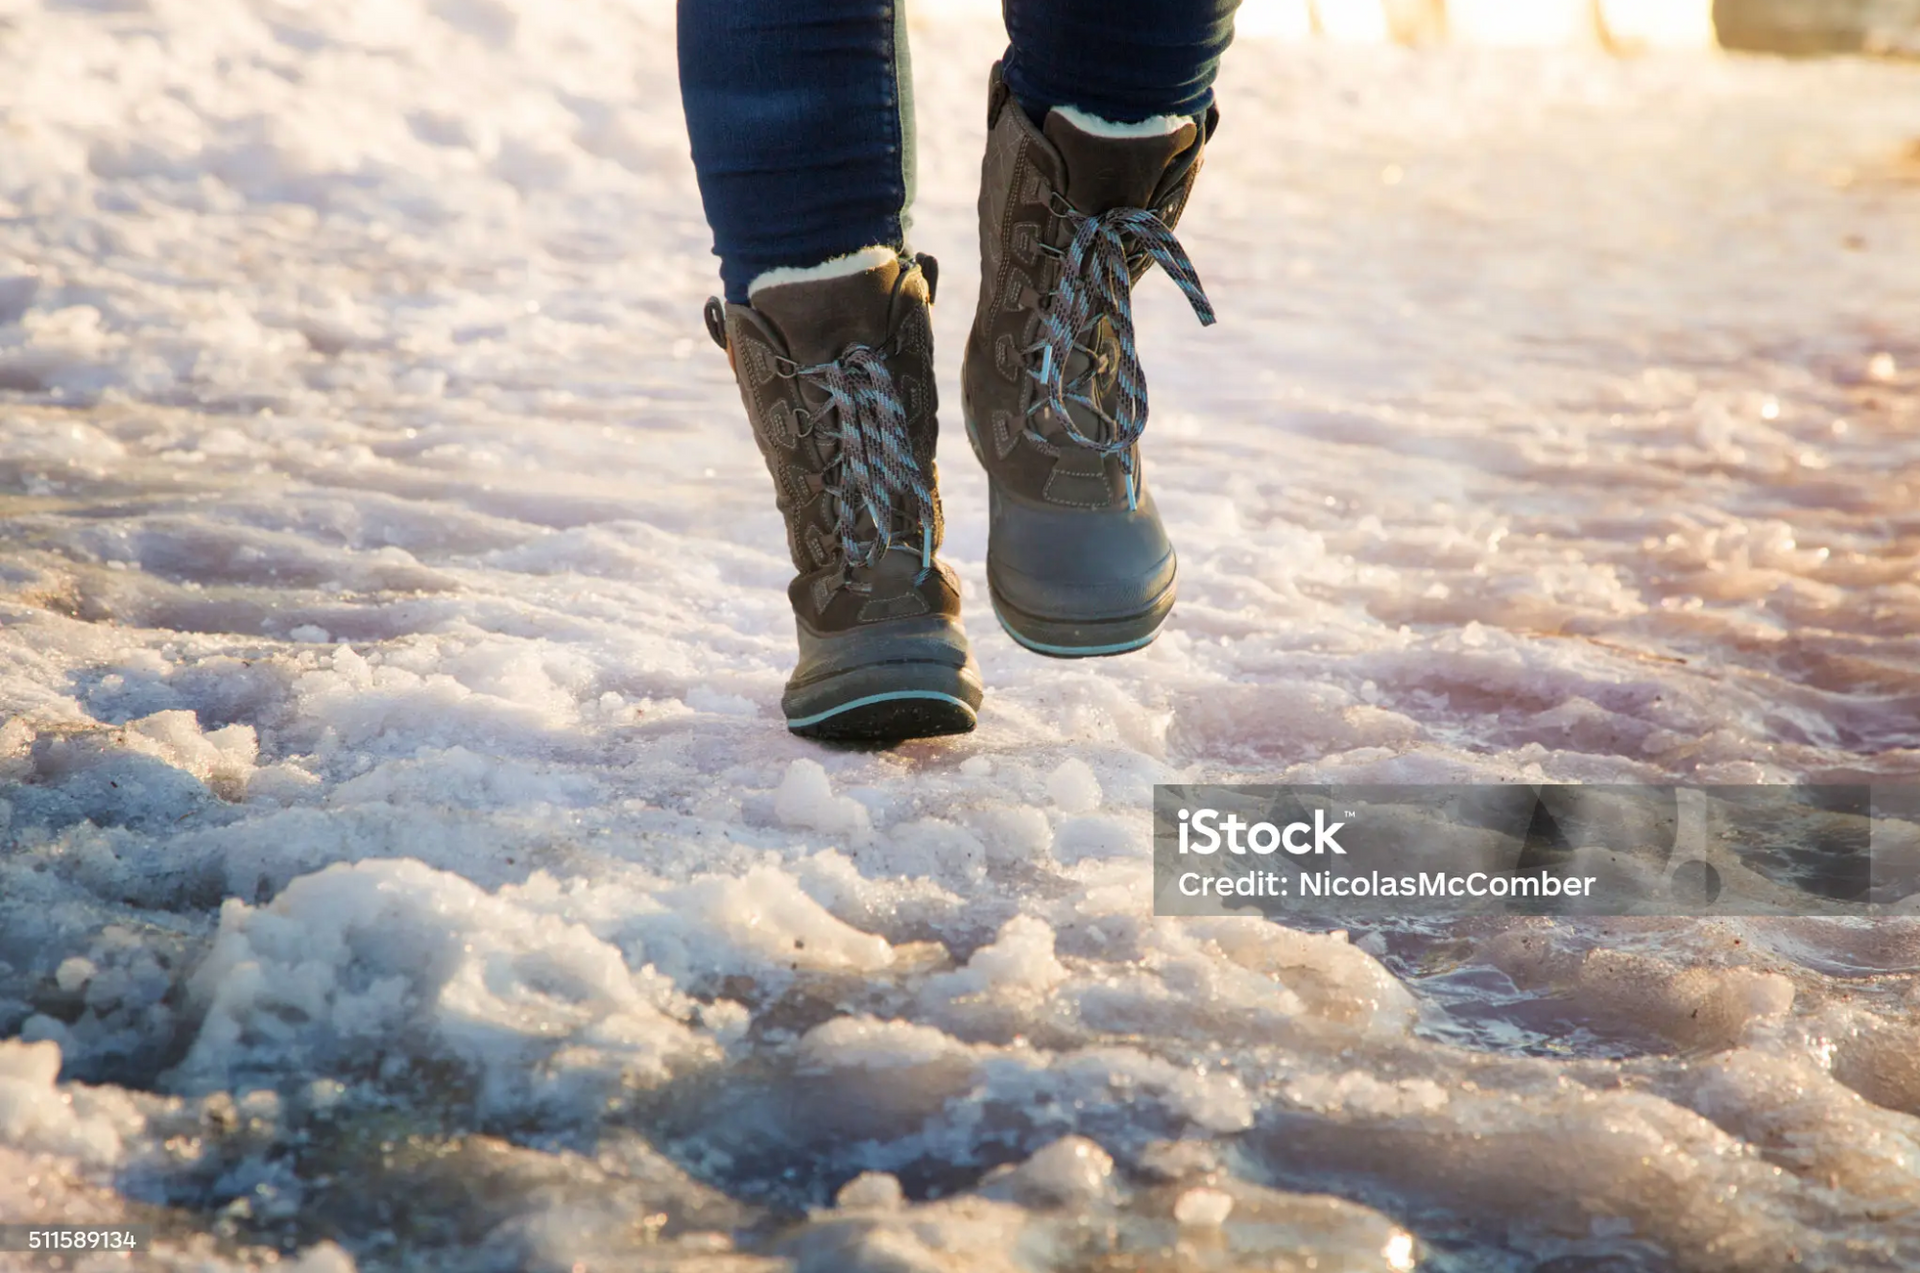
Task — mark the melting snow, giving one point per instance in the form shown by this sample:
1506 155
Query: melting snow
404 863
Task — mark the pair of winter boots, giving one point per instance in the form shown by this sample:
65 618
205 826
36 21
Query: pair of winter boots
837 377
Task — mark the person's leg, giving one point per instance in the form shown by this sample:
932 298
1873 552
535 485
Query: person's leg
800 113
1098 120
802 130
1123 61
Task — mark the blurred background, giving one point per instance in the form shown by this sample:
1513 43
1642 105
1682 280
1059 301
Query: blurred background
1774 26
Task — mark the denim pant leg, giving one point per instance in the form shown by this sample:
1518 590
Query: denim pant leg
1122 60
801 117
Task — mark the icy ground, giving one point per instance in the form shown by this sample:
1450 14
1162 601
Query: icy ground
405 863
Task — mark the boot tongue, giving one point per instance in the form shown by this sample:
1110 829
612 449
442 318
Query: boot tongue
819 318
1104 173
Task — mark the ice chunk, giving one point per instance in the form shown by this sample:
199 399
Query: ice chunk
1071 1172
324 1257
1073 786
870 1191
74 973
1333 978
394 960
1203 1208
805 799
36 1115
1013 833
1005 990
759 925
867 1043
1019 960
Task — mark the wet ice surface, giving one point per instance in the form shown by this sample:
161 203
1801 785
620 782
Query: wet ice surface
403 849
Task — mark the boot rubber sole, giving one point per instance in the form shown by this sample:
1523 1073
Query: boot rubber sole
886 702
891 717
1084 639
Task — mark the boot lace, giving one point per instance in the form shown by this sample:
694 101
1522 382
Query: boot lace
877 471
1096 282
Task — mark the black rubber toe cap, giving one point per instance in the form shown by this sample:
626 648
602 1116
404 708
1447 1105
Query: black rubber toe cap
1078 565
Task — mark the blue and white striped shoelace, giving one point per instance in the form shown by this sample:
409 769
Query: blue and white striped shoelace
1095 283
879 472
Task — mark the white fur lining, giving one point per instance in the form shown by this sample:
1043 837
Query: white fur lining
1158 126
852 263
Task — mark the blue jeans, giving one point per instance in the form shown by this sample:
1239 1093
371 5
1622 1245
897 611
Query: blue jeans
801 111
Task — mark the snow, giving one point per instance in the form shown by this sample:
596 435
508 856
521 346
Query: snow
1203 1208
1074 786
1071 1172
871 1190
404 863
805 799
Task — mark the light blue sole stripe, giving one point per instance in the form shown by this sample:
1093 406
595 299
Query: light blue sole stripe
1091 651
891 696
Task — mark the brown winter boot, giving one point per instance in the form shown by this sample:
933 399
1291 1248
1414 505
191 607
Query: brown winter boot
837 378
1070 219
